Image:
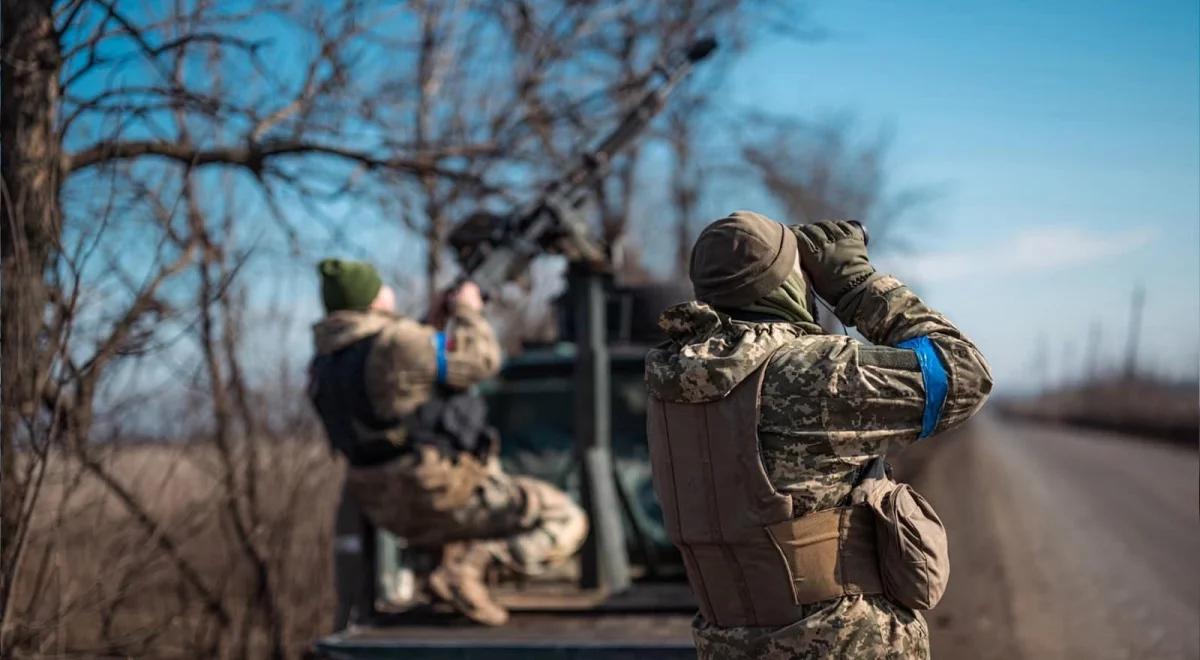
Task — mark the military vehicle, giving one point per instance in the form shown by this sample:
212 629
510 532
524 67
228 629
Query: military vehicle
563 616
572 413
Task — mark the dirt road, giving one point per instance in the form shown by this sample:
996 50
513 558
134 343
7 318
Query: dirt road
1064 543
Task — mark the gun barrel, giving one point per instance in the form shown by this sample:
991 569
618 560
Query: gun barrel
640 115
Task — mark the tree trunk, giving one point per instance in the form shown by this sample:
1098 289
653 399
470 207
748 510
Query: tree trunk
29 229
435 238
685 193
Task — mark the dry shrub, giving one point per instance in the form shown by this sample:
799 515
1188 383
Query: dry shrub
97 585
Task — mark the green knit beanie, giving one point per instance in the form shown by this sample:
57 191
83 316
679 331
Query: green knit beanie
348 284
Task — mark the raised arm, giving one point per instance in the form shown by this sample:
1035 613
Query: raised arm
955 377
471 352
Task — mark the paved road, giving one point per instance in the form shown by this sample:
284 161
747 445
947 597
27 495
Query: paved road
1064 543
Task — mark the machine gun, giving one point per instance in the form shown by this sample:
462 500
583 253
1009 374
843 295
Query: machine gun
494 249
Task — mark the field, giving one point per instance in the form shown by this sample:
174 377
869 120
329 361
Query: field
98 583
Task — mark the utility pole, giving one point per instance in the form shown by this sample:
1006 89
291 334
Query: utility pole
1068 362
1092 373
1041 363
1137 306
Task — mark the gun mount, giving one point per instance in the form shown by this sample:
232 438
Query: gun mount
493 249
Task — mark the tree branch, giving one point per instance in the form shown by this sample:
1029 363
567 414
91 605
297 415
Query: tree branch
252 156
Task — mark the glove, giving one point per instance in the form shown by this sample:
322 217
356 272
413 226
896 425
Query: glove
833 254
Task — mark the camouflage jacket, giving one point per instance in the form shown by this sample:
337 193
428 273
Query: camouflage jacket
829 404
402 367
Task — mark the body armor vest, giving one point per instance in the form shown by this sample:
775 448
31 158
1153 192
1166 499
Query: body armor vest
749 562
450 421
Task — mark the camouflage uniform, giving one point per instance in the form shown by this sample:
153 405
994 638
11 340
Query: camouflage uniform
829 405
424 495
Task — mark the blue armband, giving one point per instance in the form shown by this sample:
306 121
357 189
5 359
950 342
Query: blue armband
439 348
937 383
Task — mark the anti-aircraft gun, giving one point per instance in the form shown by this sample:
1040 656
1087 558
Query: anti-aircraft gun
492 250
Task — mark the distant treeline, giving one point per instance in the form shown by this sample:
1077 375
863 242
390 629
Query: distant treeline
1164 410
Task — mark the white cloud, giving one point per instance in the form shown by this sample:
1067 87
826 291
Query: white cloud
1029 251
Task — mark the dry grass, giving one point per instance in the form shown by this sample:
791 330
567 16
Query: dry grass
95 584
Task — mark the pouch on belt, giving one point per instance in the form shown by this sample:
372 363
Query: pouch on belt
914 559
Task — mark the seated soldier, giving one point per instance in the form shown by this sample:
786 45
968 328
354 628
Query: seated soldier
398 401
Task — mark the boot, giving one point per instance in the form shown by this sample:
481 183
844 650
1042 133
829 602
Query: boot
459 582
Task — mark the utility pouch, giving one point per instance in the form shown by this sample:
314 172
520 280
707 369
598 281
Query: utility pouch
914 559
829 553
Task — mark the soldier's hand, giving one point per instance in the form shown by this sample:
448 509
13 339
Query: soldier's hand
833 254
466 297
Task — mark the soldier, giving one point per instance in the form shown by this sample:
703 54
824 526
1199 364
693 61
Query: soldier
761 425
397 400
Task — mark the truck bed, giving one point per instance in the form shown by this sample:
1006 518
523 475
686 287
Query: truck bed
647 621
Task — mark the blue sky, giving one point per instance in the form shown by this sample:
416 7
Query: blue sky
1064 142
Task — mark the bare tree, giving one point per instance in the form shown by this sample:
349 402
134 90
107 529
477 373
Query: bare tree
821 170
31 219
98 98
687 178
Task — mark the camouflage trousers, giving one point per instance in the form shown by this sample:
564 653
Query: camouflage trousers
431 500
851 627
